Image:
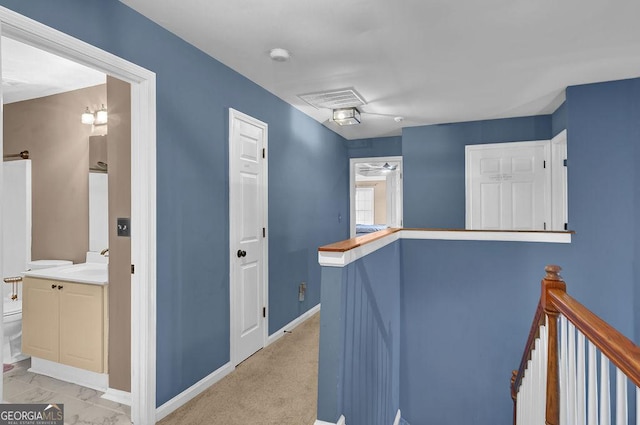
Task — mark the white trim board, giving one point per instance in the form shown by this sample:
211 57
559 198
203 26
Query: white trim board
193 391
292 325
117 396
344 258
398 417
82 377
143 192
341 421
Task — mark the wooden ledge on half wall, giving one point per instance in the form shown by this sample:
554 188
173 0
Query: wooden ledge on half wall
349 244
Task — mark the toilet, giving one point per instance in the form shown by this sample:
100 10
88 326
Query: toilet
12 314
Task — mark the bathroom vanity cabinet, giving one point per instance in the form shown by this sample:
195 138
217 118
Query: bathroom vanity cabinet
65 322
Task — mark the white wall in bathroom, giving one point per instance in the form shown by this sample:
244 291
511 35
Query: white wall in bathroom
16 210
98 212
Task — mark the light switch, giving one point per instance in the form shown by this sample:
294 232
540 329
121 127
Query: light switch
124 227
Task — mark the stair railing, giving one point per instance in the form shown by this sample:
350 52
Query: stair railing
569 351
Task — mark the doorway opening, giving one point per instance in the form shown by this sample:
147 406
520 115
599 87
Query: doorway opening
375 191
143 192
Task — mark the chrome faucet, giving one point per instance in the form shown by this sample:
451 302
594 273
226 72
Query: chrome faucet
105 252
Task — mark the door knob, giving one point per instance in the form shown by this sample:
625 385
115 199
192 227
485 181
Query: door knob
241 253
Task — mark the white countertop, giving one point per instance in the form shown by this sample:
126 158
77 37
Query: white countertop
89 273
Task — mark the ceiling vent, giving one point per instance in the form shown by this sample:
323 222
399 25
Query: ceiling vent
333 99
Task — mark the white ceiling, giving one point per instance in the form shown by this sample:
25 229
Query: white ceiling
431 61
29 73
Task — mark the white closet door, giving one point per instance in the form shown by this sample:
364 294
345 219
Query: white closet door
508 186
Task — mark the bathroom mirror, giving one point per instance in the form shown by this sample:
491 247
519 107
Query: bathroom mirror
98 194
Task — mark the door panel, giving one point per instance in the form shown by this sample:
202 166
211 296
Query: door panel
489 197
81 326
508 186
247 194
40 331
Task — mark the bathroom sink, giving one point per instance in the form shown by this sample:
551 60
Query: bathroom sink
89 269
90 273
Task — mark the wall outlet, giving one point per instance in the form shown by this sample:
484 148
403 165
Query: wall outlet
302 288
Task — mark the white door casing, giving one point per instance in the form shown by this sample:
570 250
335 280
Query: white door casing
508 186
143 193
247 234
394 191
559 199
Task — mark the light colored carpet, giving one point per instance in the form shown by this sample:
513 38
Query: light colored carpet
276 386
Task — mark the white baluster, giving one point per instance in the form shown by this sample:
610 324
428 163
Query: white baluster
637 406
563 372
525 393
519 402
592 405
543 369
535 381
580 383
605 398
622 416
571 373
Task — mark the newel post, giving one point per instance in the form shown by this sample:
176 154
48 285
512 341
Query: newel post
552 281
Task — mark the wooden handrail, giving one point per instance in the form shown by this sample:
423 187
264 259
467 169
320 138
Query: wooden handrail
621 351
555 301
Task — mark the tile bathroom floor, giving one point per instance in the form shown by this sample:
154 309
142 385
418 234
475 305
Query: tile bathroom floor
82 406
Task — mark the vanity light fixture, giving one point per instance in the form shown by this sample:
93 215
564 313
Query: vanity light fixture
100 117
346 116
88 117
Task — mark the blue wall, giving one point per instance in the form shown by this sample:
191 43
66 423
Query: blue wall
559 119
466 312
467 306
604 206
375 147
308 177
359 370
434 160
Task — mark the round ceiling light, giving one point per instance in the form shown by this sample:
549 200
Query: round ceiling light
398 119
279 55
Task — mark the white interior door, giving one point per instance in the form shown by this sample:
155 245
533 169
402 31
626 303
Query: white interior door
247 217
559 202
508 186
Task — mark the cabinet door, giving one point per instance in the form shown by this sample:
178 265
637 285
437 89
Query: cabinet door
81 326
40 305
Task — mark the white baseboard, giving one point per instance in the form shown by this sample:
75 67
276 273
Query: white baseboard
117 396
193 391
397 420
85 378
291 325
341 421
